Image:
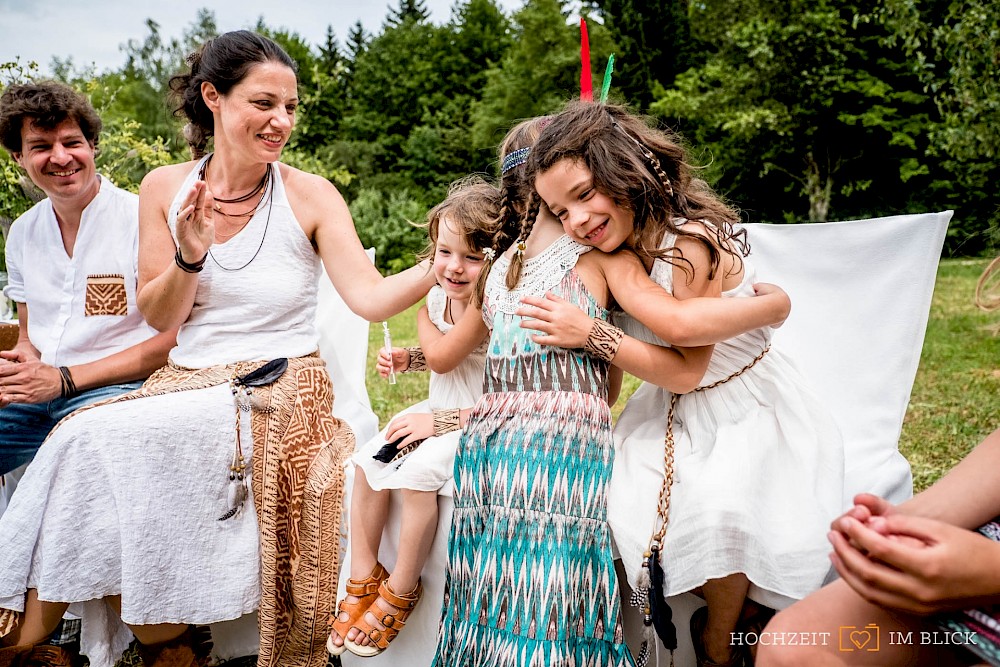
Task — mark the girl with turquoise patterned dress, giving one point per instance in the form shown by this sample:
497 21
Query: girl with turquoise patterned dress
531 579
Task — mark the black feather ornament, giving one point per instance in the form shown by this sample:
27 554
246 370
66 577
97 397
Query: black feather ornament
659 609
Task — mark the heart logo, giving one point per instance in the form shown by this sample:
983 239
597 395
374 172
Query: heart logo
860 638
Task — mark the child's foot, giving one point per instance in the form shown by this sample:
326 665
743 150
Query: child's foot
388 614
360 595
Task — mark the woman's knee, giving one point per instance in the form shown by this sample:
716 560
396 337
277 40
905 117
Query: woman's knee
788 641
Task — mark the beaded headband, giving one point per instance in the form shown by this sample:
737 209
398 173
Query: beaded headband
514 159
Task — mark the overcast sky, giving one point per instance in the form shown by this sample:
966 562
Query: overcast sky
91 31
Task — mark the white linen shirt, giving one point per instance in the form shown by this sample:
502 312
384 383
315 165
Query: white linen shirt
80 308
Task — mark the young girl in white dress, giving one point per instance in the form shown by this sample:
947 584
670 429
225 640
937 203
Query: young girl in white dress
416 451
744 473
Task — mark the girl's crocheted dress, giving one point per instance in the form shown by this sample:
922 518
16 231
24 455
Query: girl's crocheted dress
531 579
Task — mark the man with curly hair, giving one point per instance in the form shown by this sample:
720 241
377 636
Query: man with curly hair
72 262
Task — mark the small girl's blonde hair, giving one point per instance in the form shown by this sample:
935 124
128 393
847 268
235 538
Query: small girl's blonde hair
470 210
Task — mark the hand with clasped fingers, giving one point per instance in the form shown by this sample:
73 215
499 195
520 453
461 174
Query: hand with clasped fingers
25 379
400 361
195 223
911 563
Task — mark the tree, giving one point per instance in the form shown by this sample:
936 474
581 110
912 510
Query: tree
800 103
407 10
952 47
653 44
540 71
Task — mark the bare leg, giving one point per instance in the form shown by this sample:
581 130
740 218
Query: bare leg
416 535
725 599
824 623
38 621
156 634
148 634
369 509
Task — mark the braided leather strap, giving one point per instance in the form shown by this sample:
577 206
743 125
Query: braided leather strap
663 504
604 340
418 362
446 421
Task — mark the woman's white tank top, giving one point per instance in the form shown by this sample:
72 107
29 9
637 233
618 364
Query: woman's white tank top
256 295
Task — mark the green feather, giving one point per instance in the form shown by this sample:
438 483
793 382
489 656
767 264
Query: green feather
606 86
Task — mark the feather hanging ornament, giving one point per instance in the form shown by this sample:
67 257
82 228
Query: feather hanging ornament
659 609
586 83
641 599
243 396
606 84
656 613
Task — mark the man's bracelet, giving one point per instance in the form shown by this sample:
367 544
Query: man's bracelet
446 421
69 389
418 362
187 267
604 340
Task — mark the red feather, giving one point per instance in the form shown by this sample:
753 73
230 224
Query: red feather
586 84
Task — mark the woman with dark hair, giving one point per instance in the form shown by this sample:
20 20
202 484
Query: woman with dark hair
164 481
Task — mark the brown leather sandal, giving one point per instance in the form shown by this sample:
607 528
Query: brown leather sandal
391 622
349 612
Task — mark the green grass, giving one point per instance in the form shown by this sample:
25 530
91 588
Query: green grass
954 404
956 396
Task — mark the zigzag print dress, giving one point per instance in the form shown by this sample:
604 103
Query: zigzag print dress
531 579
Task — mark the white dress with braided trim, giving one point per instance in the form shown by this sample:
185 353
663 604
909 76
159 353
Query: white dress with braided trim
430 467
758 463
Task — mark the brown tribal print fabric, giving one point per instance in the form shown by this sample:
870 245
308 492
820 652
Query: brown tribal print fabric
298 482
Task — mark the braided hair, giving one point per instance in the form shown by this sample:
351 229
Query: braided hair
519 203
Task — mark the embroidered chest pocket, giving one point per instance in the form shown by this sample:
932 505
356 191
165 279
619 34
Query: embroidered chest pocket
106 295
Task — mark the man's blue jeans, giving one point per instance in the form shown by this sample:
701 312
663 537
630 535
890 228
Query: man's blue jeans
24 426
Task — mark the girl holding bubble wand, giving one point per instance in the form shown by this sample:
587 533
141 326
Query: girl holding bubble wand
414 455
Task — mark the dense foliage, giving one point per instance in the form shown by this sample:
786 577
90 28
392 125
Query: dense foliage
798 111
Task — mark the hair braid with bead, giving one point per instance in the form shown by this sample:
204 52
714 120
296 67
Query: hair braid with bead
499 242
527 223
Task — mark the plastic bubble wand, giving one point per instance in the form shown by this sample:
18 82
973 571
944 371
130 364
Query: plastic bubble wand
388 349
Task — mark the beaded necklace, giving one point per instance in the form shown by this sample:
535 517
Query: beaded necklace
266 187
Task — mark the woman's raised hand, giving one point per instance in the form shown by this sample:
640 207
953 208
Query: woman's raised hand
195 223
561 323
